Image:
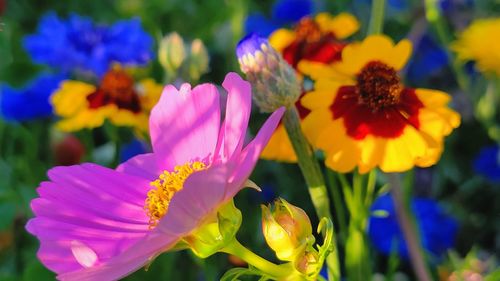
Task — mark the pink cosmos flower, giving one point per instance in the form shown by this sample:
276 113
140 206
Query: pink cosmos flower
96 223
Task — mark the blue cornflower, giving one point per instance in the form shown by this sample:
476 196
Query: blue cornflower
283 12
133 148
429 58
487 163
437 229
31 101
79 44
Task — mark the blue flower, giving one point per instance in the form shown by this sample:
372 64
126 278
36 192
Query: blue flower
487 163
133 148
428 59
290 11
283 12
30 102
437 229
250 44
78 44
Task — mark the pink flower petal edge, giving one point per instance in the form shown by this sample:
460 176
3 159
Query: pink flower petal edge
90 220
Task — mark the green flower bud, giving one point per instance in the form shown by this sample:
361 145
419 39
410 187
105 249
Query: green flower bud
214 234
171 53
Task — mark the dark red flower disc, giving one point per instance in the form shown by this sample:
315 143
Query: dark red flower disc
361 120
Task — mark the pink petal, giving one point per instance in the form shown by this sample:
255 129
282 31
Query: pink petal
95 208
239 105
202 194
251 153
129 261
184 125
143 165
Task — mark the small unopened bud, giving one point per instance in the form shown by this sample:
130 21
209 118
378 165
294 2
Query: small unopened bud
287 230
171 53
275 83
198 60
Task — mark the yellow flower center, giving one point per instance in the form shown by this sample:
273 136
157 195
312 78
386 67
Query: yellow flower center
378 85
164 188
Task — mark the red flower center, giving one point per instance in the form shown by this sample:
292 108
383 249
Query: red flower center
116 87
312 44
377 105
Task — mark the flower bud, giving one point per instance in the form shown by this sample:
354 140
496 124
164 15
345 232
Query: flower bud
198 60
215 234
274 81
287 230
171 53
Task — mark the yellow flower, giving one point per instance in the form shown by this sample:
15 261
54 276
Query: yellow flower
319 40
314 39
363 116
117 99
479 42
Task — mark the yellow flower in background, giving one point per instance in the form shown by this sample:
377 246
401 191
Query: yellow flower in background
117 98
363 116
316 39
479 42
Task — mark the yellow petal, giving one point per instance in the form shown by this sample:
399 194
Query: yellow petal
71 97
342 152
281 38
318 99
401 153
314 124
279 147
432 98
372 152
149 93
374 48
343 25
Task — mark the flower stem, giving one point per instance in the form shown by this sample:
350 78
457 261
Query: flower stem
408 228
313 177
235 248
307 163
433 16
377 17
357 260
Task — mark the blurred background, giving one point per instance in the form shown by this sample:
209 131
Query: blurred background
465 183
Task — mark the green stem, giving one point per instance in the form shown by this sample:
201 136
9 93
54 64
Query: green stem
313 177
433 15
235 248
357 249
408 228
307 163
335 190
377 17
370 187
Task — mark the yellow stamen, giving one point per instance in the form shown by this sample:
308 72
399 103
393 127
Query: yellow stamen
164 188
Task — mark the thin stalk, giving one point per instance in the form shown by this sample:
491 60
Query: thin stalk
408 228
337 204
370 187
313 177
357 249
235 248
377 17
433 16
